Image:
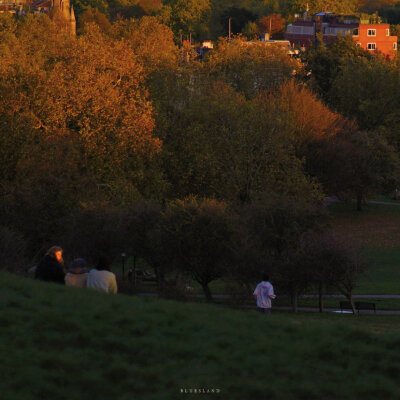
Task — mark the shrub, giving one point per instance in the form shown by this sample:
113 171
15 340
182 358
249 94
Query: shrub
12 250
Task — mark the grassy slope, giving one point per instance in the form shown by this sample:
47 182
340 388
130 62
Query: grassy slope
377 228
65 343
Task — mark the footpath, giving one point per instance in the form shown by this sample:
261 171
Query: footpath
308 296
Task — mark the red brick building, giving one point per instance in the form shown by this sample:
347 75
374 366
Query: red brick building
372 37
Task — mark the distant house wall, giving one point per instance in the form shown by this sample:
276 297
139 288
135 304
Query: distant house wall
378 36
301 33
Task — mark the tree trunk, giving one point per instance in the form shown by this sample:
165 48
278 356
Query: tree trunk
207 292
350 298
320 298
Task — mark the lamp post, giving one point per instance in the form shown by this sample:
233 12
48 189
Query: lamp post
123 255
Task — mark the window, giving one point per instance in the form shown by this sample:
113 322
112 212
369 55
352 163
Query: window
387 32
358 44
394 45
371 32
371 46
355 32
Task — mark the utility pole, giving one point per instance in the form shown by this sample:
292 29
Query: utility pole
229 28
270 26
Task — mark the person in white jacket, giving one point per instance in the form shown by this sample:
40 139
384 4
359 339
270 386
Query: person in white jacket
263 293
101 279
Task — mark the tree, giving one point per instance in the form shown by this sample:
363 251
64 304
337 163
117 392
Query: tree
96 232
357 165
80 6
94 16
273 230
249 155
326 261
273 24
239 18
311 118
128 9
315 6
367 89
148 239
108 108
250 68
370 6
199 234
76 125
186 17
350 265
250 31
143 37
325 63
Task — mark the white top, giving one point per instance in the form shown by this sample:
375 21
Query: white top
102 280
264 292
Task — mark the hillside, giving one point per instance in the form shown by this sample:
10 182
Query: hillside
61 343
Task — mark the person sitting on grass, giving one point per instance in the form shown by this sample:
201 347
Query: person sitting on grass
101 278
51 266
263 293
77 274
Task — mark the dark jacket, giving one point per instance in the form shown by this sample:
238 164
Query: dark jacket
50 270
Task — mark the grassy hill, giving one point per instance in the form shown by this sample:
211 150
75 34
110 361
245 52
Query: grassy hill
66 343
377 229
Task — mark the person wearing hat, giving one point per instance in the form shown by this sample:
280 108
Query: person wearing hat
77 274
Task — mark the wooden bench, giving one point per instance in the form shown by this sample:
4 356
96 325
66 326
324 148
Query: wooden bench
359 305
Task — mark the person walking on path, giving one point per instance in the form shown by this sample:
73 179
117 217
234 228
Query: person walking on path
51 266
263 293
102 279
77 274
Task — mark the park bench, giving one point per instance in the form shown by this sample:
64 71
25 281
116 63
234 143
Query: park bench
359 305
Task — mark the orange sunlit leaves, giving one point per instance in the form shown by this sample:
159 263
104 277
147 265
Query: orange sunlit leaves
311 117
272 24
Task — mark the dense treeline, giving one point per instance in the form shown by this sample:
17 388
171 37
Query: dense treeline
118 140
208 19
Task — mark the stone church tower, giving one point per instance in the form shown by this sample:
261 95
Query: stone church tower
63 13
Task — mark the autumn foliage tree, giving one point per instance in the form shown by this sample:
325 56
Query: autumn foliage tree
311 118
273 24
250 68
234 148
94 16
76 120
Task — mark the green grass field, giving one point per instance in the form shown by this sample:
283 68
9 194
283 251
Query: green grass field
377 226
377 229
65 343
